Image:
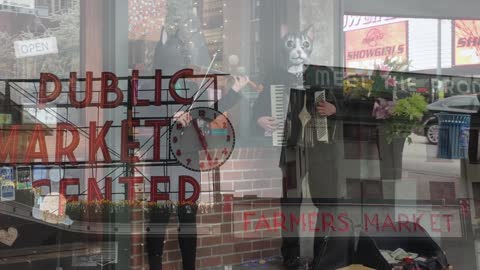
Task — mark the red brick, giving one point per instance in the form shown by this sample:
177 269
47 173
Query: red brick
171 266
270 253
231 175
263 202
227 165
269 213
227 217
271 234
136 238
266 183
232 259
217 208
136 260
211 261
271 193
260 245
136 215
242 185
203 229
277 183
245 164
276 242
216 229
255 164
226 186
228 238
243 247
252 235
242 153
252 256
238 214
226 228
171 245
263 174
238 236
224 249
174 256
209 218
211 240
242 227
204 252
136 249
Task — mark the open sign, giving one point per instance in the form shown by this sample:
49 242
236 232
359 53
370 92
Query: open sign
34 47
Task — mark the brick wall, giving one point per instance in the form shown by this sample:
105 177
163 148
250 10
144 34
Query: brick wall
225 239
248 172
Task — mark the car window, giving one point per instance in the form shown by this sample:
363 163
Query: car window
466 103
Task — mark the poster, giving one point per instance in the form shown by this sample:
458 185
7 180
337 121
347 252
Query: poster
24 178
7 190
367 47
467 42
6 173
5 119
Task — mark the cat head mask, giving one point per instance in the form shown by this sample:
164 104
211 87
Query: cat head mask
298 47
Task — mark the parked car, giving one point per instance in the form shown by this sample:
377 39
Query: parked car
462 104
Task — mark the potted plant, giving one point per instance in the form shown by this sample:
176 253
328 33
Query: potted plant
158 212
123 209
74 210
187 212
25 197
399 118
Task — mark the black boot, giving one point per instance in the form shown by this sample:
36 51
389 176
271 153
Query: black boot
290 238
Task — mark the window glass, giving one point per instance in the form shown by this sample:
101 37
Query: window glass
215 134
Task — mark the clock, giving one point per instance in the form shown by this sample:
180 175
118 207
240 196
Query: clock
206 143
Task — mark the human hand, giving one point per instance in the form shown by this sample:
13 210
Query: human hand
326 109
183 117
240 82
268 123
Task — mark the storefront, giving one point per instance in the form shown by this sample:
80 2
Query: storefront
208 134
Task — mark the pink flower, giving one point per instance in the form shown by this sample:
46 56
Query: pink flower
383 69
382 109
391 82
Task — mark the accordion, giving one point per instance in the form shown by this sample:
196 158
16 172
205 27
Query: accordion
311 121
279 101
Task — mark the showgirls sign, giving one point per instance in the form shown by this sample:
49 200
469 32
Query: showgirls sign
367 47
467 42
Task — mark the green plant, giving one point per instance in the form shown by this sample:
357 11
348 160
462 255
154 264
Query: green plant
407 114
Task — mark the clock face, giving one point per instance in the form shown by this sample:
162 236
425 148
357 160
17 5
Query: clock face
205 143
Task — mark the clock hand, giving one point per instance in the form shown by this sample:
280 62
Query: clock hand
197 96
203 142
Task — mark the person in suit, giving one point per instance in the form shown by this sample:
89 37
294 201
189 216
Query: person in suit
171 55
302 155
304 158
